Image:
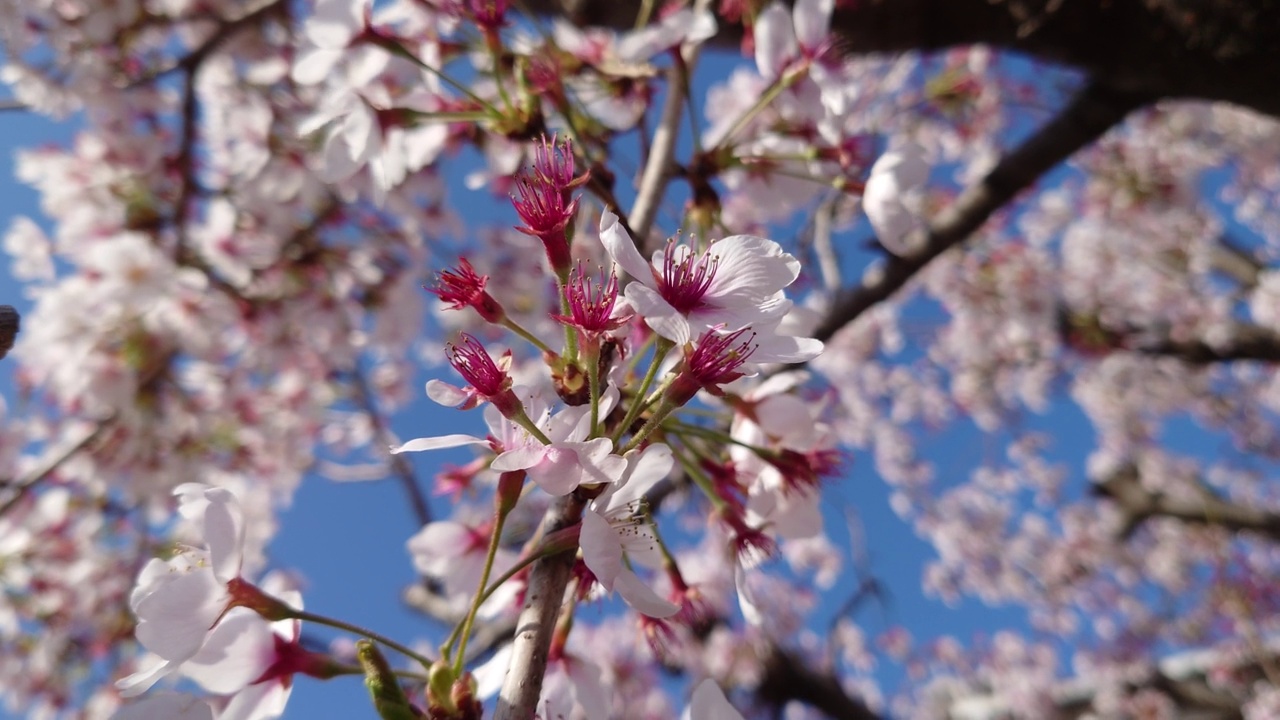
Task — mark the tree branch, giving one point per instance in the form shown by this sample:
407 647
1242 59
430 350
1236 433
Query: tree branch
1124 487
787 677
1093 111
1247 342
1209 49
548 578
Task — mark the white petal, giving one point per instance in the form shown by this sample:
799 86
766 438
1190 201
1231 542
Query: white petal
445 394
437 443
785 349
173 620
489 676
224 533
152 670
746 600
622 249
559 471
167 705
260 701
642 597
235 654
588 690
750 268
775 40
519 458
601 549
436 547
893 176
658 315
709 703
646 468
812 21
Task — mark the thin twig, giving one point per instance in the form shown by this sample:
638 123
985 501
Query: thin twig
382 436
657 167
47 468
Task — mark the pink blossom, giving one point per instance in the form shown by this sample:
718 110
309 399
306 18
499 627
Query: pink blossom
734 283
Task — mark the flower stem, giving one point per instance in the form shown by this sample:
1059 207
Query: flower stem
356 629
700 479
770 94
494 539
633 411
518 329
522 419
593 385
654 421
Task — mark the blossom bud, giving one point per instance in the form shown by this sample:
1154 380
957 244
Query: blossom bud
388 697
440 696
463 695
546 203
714 361
509 486
473 363
463 287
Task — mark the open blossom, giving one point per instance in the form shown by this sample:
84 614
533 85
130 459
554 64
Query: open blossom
593 304
734 283
568 461
454 553
177 601
614 528
892 196
253 660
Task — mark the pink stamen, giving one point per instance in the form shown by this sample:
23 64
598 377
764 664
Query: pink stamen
684 282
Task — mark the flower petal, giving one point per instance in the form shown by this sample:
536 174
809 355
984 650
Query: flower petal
437 443
709 703
623 249
601 549
812 22
775 40
642 598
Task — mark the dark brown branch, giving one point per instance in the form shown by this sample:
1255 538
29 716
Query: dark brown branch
1208 49
787 677
1139 504
1247 342
1094 110
225 31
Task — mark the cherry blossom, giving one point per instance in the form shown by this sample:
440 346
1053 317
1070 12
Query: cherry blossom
736 282
615 532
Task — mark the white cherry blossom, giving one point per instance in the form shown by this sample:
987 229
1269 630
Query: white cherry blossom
616 532
734 283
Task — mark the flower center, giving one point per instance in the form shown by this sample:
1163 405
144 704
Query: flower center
686 279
